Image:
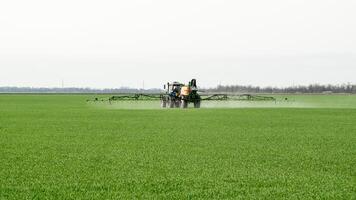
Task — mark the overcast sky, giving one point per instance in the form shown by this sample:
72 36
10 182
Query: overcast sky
104 44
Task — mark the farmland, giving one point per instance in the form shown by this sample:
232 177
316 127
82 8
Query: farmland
62 147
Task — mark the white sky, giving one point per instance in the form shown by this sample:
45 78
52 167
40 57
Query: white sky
116 43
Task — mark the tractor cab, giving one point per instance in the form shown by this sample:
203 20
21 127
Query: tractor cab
173 89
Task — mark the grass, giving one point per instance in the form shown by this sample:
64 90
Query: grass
60 147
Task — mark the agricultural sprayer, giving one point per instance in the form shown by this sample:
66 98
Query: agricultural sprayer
179 95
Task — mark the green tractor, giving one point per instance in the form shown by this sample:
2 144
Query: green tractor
178 95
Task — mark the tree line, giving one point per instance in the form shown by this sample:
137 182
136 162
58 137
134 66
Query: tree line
75 90
308 89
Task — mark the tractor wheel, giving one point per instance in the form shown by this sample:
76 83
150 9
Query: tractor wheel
184 104
171 103
197 104
178 104
163 104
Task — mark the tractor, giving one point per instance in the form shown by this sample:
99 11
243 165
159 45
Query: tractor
178 95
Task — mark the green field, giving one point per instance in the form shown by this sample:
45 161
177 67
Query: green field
61 147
